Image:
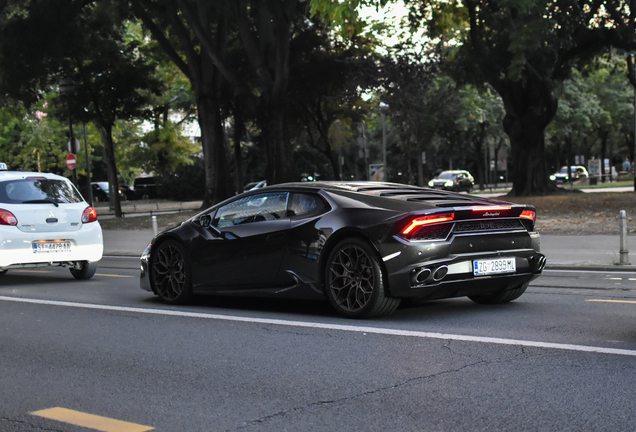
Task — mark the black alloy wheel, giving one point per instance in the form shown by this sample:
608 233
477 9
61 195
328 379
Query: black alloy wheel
170 273
355 282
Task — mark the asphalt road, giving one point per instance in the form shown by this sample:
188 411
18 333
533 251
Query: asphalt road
562 357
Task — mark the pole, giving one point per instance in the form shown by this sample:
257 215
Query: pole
623 252
71 138
88 168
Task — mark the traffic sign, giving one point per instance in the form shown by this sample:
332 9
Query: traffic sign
71 161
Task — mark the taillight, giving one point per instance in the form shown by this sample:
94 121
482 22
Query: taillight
7 218
491 208
427 220
89 215
528 214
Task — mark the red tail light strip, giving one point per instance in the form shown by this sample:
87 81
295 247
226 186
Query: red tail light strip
491 208
429 219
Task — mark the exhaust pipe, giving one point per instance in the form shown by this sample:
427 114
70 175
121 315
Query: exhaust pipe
440 273
537 263
422 275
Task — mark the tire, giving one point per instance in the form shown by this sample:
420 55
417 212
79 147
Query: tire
86 271
170 273
502 296
3 272
354 281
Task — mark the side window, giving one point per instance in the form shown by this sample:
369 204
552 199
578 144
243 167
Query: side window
254 208
305 205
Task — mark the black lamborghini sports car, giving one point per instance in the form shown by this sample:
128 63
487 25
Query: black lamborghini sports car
362 245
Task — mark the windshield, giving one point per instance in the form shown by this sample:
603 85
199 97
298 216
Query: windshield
38 190
445 175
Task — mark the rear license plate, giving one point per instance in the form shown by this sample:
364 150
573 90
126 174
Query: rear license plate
52 247
494 266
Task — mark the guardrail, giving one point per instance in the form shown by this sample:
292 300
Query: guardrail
151 208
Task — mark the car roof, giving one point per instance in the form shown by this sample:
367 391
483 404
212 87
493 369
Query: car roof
386 195
16 175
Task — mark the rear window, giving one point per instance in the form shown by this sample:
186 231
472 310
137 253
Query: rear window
38 190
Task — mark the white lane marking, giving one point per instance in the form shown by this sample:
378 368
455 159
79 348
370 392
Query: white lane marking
322 326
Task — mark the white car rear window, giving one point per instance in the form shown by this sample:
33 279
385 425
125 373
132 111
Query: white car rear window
29 190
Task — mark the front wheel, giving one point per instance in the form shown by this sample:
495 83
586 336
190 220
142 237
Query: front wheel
84 270
170 273
502 296
354 281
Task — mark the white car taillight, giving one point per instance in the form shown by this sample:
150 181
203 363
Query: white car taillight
7 218
89 215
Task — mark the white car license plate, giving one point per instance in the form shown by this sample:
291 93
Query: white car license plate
49 247
494 266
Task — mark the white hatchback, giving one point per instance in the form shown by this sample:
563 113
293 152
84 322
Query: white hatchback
44 221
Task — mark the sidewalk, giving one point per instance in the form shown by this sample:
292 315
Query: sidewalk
599 252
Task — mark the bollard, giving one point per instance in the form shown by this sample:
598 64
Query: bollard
155 229
623 252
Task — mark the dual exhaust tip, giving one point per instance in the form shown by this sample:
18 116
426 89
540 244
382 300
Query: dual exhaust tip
427 275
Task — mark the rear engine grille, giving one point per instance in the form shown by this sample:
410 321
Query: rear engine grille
488 225
433 232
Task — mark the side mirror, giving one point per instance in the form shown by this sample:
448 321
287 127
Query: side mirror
205 221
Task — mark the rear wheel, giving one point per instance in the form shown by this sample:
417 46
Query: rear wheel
354 281
170 273
502 296
84 270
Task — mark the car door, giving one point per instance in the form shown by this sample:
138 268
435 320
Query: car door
254 233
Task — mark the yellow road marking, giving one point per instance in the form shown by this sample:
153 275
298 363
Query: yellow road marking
112 275
91 421
612 301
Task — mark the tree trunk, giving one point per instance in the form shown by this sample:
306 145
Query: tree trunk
105 131
239 131
279 157
527 146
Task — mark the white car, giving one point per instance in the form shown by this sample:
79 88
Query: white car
44 221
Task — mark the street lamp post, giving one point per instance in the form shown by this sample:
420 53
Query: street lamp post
383 109
67 87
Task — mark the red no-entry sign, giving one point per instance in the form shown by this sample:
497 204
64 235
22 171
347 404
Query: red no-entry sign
71 161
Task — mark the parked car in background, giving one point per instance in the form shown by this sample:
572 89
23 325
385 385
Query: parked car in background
362 246
454 180
146 187
100 191
44 221
578 172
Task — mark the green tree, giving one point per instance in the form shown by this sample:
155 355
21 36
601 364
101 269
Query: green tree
525 50
107 70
